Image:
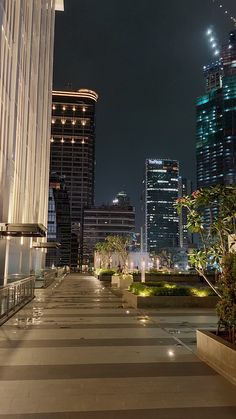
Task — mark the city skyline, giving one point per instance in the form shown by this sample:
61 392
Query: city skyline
170 54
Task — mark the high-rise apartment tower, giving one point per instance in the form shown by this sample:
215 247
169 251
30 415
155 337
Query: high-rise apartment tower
73 151
216 121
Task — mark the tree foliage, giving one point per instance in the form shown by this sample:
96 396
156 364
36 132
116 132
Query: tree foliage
212 214
116 244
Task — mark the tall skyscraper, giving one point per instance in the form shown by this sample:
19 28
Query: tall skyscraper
59 223
26 57
73 152
216 121
160 194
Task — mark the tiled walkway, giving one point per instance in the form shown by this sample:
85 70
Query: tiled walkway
76 352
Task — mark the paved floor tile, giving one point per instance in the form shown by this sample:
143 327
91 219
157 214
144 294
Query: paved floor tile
77 352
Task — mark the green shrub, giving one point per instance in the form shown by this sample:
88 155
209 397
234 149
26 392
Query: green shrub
175 291
168 289
156 284
104 272
154 272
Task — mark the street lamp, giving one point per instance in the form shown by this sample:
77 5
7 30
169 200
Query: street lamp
131 266
143 270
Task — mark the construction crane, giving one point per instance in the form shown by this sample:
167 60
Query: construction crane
220 4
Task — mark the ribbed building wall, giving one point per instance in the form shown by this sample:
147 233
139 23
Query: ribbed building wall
26 61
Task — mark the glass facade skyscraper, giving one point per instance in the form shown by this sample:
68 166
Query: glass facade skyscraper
73 153
216 121
161 189
59 223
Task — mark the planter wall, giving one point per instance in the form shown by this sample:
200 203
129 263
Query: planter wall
120 282
217 353
104 277
192 279
171 301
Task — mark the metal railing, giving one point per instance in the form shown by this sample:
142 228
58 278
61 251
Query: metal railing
46 276
14 296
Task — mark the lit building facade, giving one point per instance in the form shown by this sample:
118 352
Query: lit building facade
160 194
100 222
26 64
59 223
73 153
216 121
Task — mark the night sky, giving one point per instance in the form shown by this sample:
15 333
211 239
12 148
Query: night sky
144 58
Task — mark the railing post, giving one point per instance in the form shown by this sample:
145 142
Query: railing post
14 295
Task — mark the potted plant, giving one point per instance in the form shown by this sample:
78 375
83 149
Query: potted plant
211 213
119 245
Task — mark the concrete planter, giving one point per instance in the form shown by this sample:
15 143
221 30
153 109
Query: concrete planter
217 353
188 278
120 282
104 278
171 301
